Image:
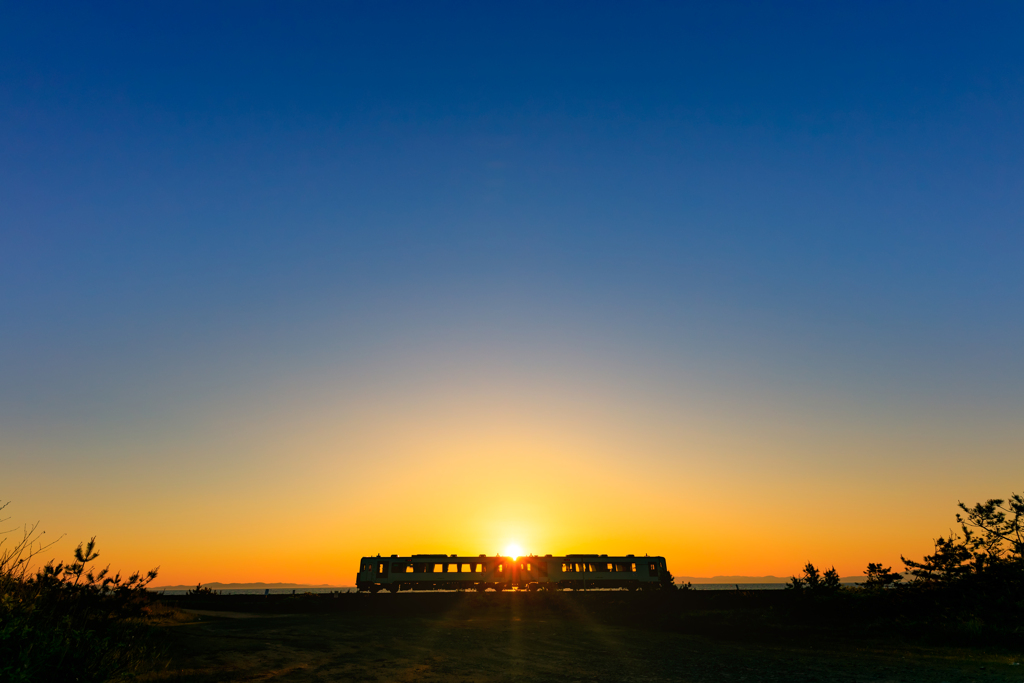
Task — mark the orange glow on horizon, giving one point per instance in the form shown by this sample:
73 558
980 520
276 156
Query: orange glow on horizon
298 492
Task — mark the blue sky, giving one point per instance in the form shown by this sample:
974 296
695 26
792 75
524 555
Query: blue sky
815 206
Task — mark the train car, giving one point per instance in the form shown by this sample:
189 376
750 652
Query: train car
530 572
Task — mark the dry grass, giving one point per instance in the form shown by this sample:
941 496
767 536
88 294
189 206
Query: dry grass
513 637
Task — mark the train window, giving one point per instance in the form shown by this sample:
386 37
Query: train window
398 567
653 569
632 567
566 567
408 569
478 568
542 569
528 568
600 567
501 568
365 568
418 568
622 567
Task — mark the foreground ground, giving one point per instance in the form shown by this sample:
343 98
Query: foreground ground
522 637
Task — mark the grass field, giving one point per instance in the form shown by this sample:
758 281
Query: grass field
525 637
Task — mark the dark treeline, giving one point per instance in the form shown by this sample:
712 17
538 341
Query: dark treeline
969 590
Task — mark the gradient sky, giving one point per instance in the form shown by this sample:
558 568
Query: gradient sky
283 285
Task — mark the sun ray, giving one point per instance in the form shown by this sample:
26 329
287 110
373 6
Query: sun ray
513 550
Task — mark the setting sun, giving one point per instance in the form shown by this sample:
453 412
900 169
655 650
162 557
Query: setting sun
513 550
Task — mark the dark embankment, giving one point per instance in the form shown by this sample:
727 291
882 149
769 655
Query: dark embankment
597 636
767 615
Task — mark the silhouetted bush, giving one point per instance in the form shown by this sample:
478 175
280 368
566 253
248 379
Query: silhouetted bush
201 591
813 581
66 621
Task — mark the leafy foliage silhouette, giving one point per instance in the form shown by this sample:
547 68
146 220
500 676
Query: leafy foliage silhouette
68 621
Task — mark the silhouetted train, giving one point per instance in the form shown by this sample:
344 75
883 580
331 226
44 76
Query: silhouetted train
451 572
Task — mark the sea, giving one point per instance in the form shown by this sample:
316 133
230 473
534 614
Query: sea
752 586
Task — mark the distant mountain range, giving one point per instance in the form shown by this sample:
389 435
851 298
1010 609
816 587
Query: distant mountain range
214 585
753 579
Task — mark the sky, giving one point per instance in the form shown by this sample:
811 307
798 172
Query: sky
738 284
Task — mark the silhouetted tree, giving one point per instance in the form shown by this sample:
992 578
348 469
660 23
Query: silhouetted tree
814 581
992 540
976 577
879 577
993 529
950 561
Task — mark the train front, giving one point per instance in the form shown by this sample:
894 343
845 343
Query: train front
368 571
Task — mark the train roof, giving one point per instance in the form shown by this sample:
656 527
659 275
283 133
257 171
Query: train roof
444 556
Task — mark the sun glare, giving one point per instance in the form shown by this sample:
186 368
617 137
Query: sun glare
513 550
